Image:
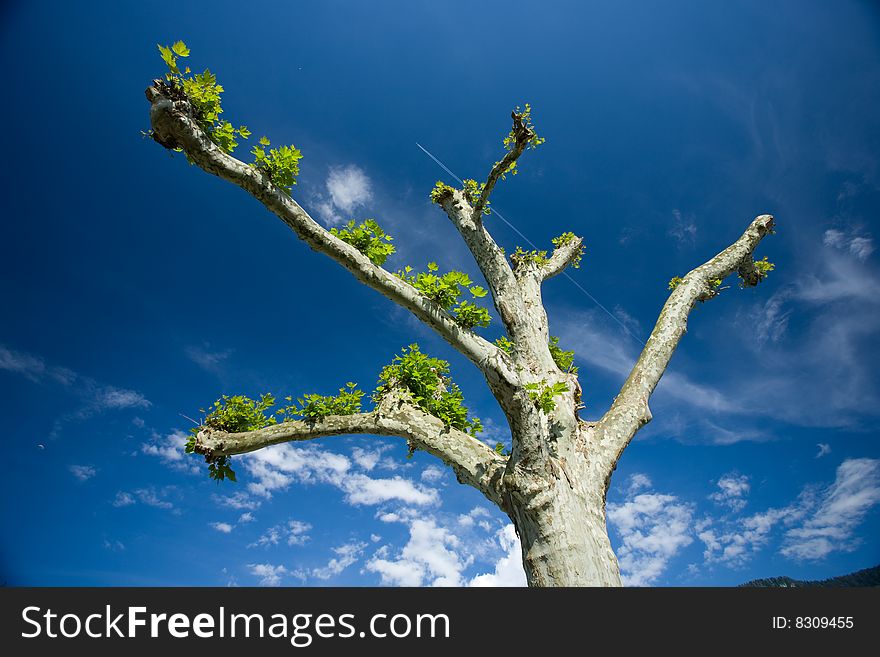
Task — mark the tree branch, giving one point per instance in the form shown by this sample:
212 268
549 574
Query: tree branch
473 462
561 257
630 411
173 127
522 134
491 261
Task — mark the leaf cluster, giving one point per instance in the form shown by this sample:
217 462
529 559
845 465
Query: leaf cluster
446 290
520 258
473 190
524 117
368 238
280 164
566 239
542 394
203 93
426 379
318 407
564 359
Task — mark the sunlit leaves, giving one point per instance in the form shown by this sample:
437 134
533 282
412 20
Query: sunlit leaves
318 407
542 394
446 290
521 258
203 94
426 379
564 240
368 238
280 164
440 191
564 359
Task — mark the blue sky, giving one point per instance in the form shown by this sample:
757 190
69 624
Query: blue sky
136 288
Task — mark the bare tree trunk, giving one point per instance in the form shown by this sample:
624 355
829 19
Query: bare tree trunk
564 538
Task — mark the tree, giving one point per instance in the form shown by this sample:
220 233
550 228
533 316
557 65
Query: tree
553 482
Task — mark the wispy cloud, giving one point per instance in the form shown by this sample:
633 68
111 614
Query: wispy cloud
96 397
824 448
683 229
209 360
841 508
345 556
222 527
293 532
819 522
82 472
859 245
148 496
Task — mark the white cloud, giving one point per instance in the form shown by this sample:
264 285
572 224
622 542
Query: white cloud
638 481
294 532
653 529
509 570
245 517
268 574
82 472
222 527
276 468
152 497
346 555
238 500
361 489
432 474
824 448
110 397
297 532
147 496
122 499
170 450
732 489
428 557
348 188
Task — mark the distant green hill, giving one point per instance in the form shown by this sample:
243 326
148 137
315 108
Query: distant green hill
866 577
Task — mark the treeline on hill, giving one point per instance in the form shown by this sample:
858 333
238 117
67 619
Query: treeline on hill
866 577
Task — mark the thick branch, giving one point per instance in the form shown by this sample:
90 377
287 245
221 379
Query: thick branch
562 256
473 462
630 411
173 127
491 261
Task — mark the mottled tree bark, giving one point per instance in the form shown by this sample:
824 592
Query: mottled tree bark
554 482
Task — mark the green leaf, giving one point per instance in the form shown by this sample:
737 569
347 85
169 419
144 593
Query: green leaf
180 49
264 141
